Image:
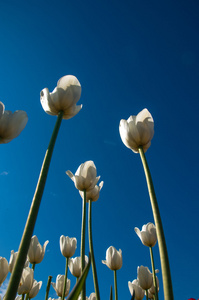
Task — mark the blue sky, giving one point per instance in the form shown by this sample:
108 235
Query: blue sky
127 55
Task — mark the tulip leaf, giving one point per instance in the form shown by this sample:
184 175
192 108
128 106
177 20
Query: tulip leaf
111 294
74 294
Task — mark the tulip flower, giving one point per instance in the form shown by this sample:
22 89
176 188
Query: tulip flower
85 176
137 131
92 194
26 281
148 235
145 277
113 258
36 251
11 124
59 285
67 246
92 296
3 269
75 265
35 289
63 98
12 261
134 286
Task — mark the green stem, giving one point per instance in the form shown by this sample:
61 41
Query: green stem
31 220
65 280
166 276
22 297
154 275
83 233
146 294
94 270
48 287
115 285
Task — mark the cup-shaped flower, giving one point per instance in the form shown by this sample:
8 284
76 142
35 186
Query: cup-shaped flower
74 265
3 269
26 281
67 246
92 296
93 194
147 235
134 286
36 251
145 277
35 289
12 261
11 124
59 285
85 176
113 258
63 98
137 131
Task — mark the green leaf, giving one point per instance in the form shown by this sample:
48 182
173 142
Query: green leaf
111 294
74 294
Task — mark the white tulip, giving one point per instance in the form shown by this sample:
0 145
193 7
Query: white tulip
3 269
35 289
137 131
59 285
36 251
12 261
147 235
92 194
63 98
85 176
67 246
26 281
134 286
145 277
113 258
74 265
92 296
11 124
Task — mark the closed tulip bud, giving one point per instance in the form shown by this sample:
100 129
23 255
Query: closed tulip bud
3 269
36 251
35 289
148 234
26 281
136 288
11 124
113 258
92 194
92 296
85 176
67 246
12 261
74 265
145 277
59 285
137 131
63 98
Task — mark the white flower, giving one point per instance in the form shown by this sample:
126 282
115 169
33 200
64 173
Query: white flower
35 289
137 131
12 261
63 98
74 265
3 269
11 124
26 281
92 194
92 296
36 251
85 176
67 246
134 286
147 235
113 258
59 285
145 277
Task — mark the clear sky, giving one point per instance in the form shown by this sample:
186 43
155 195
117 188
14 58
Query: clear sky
127 55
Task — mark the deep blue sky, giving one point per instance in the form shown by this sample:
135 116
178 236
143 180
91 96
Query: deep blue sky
127 55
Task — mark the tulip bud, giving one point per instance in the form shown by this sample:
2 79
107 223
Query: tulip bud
74 265
148 235
35 289
145 277
67 246
59 285
3 269
92 194
136 288
26 281
36 251
113 258
12 261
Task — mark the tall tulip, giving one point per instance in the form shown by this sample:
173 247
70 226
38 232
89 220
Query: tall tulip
3 269
93 194
75 265
26 281
59 285
11 124
145 277
147 235
36 251
67 246
35 289
12 261
134 286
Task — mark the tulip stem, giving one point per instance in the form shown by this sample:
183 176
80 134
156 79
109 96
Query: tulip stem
92 251
83 233
48 287
166 276
115 284
146 294
32 217
65 279
154 275
22 297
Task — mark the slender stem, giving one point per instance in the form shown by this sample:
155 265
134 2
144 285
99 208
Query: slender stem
115 285
22 297
83 233
94 270
48 287
146 294
166 276
154 275
65 279
31 220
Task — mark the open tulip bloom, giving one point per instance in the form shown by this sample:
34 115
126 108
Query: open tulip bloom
3 269
36 251
147 235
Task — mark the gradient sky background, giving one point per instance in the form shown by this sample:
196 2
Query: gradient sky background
127 55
